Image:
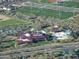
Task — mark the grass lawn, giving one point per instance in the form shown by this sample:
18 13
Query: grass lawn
11 22
38 1
45 12
66 3
44 1
69 4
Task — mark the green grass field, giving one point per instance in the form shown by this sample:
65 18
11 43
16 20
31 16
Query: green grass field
65 3
11 22
69 4
45 12
38 1
44 1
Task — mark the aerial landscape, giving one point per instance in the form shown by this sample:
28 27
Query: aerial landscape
39 29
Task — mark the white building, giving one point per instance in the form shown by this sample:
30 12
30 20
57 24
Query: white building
61 34
5 9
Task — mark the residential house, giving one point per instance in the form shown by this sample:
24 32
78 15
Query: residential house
61 34
38 36
24 37
31 36
5 9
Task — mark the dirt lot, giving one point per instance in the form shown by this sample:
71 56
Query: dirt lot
4 17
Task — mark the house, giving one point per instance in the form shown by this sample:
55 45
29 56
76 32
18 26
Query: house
31 37
39 36
5 9
61 34
24 37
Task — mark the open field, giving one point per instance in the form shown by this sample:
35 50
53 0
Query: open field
69 4
38 1
65 3
3 17
11 22
45 12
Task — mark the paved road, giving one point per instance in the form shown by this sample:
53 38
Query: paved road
48 6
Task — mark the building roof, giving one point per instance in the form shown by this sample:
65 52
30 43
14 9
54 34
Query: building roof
32 36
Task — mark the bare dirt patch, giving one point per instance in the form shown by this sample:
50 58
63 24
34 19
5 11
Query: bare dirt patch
4 17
